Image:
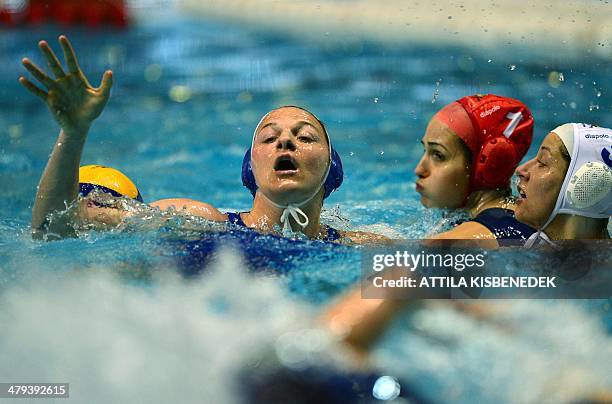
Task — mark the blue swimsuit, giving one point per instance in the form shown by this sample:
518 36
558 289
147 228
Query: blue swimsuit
234 218
502 223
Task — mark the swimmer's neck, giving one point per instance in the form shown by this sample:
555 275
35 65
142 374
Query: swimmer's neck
263 216
568 227
487 199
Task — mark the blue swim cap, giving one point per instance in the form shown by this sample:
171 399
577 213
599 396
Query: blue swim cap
332 182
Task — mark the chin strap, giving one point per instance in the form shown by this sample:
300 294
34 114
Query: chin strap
540 238
295 212
292 210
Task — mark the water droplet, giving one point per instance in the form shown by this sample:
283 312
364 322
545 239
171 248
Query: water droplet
593 107
436 93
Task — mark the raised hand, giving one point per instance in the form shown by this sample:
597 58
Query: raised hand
73 102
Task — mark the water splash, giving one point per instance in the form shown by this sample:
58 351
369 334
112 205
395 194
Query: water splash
520 344
436 93
117 342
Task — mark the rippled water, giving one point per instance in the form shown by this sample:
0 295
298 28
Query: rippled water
108 312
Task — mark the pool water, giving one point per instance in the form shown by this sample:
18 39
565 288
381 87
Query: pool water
108 311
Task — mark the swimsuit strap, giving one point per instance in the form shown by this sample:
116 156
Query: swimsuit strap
234 218
502 223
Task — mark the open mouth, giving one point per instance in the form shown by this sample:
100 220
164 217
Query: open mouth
285 163
521 192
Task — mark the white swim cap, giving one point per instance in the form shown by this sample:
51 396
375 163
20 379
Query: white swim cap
566 133
587 187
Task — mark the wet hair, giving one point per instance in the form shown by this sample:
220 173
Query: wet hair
565 154
466 152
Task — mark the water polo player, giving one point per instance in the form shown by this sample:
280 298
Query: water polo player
290 169
104 189
565 193
566 190
472 147
74 104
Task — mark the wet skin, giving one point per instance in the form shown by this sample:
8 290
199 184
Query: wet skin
540 180
443 171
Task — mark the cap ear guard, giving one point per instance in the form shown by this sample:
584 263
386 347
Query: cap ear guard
590 185
495 163
505 129
248 179
335 176
332 182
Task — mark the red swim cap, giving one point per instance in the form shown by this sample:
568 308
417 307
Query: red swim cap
497 130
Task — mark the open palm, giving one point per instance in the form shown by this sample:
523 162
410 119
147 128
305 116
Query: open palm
73 102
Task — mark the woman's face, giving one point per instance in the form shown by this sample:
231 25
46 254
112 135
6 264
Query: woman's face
100 216
290 155
540 181
443 172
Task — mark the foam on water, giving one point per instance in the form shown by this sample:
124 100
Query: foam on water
525 351
119 342
109 313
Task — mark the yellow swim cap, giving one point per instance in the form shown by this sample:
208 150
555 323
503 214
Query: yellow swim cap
108 180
